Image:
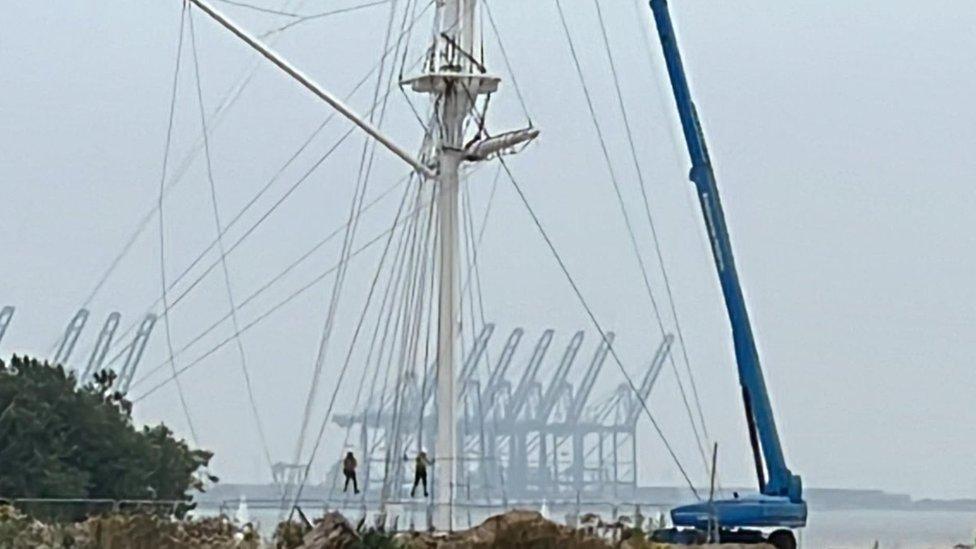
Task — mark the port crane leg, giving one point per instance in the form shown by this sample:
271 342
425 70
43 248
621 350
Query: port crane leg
6 315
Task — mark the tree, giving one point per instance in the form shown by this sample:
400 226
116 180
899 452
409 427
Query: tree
62 440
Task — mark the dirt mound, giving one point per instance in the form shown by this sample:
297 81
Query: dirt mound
515 529
530 530
333 531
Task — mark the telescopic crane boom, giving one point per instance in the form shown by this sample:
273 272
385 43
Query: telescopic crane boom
780 500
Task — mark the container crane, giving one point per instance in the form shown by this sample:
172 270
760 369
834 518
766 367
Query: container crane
779 503
6 315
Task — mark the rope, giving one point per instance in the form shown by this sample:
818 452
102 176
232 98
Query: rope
408 29
508 63
362 182
397 257
596 324
230 99
345 365
291 297
235 323
650 218
630 229
260 9
219 111
254 295
162 225
393 444
389 288
248 232
304 18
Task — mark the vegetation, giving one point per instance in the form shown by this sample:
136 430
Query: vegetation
62 440
128 531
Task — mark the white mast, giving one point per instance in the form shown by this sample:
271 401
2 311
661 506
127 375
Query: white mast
454 78
455 85
455 104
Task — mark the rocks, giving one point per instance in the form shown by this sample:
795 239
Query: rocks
529 530
333 531
515 529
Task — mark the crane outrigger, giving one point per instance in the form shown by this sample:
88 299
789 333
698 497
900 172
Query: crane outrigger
779 503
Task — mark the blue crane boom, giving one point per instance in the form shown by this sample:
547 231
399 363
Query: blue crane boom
781 500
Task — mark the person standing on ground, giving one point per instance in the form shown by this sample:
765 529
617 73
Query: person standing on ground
420 472
349 470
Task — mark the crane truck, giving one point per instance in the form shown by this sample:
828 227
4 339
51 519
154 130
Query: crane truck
779 504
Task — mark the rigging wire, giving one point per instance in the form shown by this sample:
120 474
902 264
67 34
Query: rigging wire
410 7
472 246
305 18
162 225
261 8
627 221
487 356
424 265
391 292
348 359
589 312
182 170
390 286
368 361
508 63
392 319
475 244
235 323
230 99
397 312
253 227
263 316
650 218
362 182
271 282
256 197
398 347
432 297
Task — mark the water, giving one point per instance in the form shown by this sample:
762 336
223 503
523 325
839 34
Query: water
892 529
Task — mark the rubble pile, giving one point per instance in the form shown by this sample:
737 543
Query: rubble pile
333 531
530 530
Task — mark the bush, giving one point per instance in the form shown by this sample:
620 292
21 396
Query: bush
62 440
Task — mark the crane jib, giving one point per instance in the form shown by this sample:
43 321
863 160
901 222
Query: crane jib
779 482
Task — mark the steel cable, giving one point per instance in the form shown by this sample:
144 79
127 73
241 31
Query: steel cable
589 312
162 224
650 219
235 323
274 178
263 316
362 183
627 221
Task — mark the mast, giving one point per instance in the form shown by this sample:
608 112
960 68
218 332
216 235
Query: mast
454 87
454 79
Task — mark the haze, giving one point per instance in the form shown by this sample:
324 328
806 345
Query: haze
842 135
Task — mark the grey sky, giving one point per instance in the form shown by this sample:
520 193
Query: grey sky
841 133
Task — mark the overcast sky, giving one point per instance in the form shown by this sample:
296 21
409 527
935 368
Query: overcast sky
842 135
